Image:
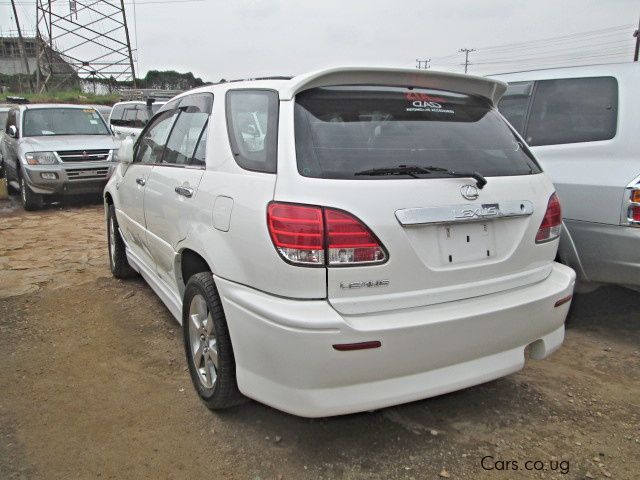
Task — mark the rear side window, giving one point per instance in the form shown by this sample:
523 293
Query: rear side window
340 131
515 103
252 123
573 110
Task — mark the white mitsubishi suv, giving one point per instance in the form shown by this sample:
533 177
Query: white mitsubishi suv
343 240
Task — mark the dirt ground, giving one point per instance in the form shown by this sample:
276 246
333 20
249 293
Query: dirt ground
93 384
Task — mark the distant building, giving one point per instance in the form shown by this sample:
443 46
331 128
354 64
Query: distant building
12 63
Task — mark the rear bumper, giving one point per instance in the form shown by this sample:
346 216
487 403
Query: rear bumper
285 358
70 179
608 253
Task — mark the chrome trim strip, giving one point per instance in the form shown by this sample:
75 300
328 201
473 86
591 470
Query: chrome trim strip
473 212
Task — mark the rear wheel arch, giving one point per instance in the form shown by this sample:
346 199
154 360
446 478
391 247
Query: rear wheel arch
189 263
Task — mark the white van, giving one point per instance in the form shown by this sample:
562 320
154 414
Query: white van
129 118
583 124
343 240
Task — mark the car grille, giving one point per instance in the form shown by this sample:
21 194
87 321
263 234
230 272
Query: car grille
83 155
87 173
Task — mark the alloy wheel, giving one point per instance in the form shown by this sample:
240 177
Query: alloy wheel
203 342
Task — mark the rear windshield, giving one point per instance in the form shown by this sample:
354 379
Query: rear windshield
344 130
63 121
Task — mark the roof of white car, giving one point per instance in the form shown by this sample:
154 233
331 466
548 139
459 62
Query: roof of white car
603 69
140 102
31 106
398 77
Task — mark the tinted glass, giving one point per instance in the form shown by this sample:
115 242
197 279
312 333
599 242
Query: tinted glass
151 145
514 104
252 122
12 119
201 149
117 112
132 116
3 119
343 130
184 136
573 110
62 121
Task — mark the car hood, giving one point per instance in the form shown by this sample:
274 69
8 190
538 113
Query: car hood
68 142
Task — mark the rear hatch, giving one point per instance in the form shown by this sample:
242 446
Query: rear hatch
379 154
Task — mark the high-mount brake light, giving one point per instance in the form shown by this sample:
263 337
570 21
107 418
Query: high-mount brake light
551 225
308 235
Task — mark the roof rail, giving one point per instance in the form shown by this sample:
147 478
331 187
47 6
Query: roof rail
143 94
274 77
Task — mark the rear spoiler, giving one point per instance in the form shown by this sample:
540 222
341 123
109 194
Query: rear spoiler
491 89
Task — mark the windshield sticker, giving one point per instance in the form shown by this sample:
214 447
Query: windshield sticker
93 122
422 102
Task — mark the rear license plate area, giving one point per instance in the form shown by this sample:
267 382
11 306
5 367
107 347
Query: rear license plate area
469 242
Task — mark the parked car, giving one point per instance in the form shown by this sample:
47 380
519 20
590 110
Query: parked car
104 110
53 150
129 118
343 240
4 110
582 124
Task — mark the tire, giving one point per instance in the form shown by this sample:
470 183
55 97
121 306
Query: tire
118 262
204 328
30 201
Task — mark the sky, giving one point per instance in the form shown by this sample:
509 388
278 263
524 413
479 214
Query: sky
217 39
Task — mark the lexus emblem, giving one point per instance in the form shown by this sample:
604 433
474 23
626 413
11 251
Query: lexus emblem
469 192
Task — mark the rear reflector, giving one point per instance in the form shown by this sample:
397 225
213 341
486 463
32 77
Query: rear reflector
551 223
345 347
563 300
318 236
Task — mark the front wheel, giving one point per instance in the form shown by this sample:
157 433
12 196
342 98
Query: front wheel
30 200
118 262
208 345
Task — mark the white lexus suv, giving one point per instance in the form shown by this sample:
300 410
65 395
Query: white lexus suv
343 240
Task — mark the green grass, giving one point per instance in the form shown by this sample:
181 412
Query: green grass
67 96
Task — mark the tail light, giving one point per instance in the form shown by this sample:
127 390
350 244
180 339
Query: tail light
631 209
551 223
318 236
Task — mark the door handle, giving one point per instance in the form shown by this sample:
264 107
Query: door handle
141 181
184 191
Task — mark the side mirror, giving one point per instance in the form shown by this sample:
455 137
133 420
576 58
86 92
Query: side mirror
125 152
12 131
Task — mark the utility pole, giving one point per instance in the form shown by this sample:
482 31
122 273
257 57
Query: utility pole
423 64
637 35
466 51
21 42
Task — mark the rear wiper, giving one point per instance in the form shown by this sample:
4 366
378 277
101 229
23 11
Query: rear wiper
414 171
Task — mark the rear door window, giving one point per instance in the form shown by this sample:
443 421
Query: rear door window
573 110
340 131
188 130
